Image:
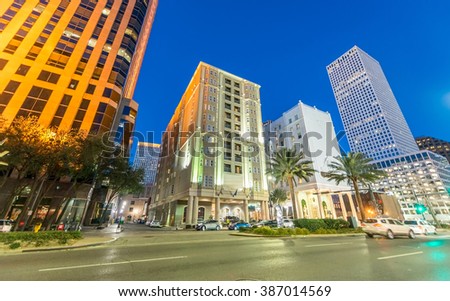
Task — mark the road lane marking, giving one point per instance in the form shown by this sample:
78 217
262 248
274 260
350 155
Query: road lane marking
400 255
110 263
326 245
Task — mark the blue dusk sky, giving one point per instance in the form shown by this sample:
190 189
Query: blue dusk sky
285 46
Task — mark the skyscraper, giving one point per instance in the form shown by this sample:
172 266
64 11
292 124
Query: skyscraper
372 118
435 145
376 127
212 162
73 63
147 156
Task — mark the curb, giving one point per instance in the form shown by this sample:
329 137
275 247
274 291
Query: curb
299 236
69 247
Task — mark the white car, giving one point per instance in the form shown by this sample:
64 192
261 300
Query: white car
5 225
153 224
388 227
288 223
421 227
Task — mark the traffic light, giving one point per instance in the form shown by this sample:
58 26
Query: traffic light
420 209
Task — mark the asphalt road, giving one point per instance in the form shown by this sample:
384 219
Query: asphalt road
153 255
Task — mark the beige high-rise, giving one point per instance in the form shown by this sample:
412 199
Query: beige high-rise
212 162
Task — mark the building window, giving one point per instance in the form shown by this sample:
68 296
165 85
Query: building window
73 84
90 89
132 202
23 70
131 209
238 169
50 77
227 168
2 63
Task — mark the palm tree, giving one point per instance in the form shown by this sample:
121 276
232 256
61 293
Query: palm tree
278 196
354 168
288 166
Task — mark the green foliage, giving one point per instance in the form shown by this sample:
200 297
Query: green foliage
354 169
278 196
336 223
288 166
14 245
310 224
316 224
267 231
325 231
38 239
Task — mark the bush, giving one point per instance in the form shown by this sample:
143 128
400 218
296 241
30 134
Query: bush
316 224
40 238
325 231
301 231
267 231
336 223
264 231
14 245
310 224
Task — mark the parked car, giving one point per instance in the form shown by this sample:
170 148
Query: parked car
421 227
272 224
288 223
5 225
240 224
208 225
154 224
388 227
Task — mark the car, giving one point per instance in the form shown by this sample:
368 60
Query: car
388 227
271 224
288 223
421 227
238 225
5 225
208 225
154 224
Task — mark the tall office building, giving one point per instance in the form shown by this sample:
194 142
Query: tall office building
212 162
435 145
146 157
372 118
73 63
376 127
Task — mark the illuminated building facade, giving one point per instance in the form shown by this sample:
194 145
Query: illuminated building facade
212 162
376 127
73 63
434 145
311 131
372 118
146 157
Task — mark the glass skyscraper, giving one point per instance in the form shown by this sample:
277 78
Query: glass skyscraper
73 63
372 118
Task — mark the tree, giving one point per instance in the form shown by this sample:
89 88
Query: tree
36 155
115 172
278 196
288 166
355 169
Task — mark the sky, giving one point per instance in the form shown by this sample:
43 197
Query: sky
285 46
